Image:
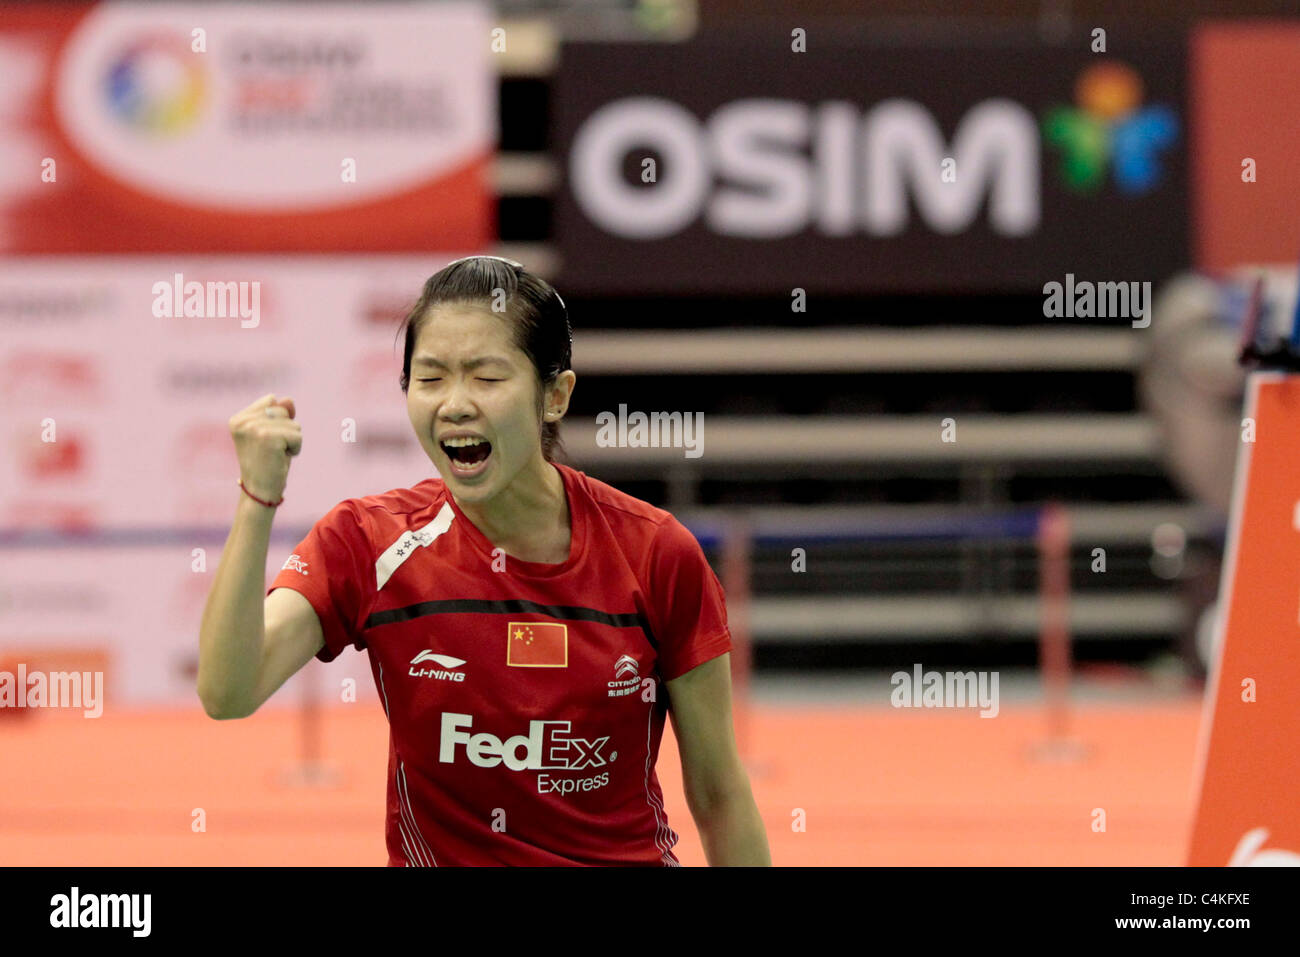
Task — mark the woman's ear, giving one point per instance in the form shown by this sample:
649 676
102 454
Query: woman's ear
557 396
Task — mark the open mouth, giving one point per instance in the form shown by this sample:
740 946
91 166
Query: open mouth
468 456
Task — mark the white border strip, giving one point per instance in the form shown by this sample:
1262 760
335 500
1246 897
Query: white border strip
404 547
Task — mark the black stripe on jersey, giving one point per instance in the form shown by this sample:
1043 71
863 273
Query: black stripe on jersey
475 606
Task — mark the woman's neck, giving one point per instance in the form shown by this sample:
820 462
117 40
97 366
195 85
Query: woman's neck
528 514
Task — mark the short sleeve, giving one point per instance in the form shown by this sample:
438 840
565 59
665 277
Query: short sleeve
333 569
688 610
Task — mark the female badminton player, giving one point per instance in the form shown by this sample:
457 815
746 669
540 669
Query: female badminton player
528 626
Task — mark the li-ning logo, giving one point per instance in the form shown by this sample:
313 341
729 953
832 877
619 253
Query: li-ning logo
626 665
294 563
447 661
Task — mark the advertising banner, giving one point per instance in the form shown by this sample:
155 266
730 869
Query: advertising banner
731 167
118 377
202 127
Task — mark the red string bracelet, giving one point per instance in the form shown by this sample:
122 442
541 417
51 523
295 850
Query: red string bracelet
258 500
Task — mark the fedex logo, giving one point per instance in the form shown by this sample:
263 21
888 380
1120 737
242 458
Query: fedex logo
547 745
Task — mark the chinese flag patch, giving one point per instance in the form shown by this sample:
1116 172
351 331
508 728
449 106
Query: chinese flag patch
535 644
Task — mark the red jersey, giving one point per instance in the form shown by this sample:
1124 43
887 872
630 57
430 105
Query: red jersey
525 700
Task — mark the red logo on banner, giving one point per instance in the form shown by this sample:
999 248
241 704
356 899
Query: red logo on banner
45 376
55 459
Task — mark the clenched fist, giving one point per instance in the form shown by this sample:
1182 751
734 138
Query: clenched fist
266 438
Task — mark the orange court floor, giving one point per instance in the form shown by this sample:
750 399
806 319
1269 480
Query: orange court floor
870 785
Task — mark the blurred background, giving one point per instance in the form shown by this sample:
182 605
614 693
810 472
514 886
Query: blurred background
831 228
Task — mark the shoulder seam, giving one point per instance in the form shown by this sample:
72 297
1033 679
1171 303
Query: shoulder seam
381 506
626 511
602 502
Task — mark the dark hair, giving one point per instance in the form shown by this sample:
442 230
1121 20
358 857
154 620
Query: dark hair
535 311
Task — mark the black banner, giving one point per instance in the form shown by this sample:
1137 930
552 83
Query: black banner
1050 908
742 166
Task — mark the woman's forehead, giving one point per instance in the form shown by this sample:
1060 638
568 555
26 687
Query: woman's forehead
454 330
463 320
